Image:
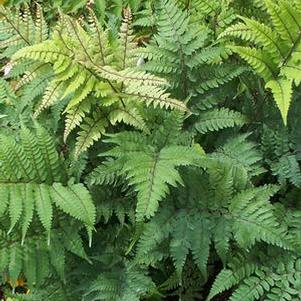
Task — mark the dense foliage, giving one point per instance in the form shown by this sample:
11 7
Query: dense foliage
150 150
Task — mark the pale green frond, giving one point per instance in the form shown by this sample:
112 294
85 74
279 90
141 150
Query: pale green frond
155 96
129 115
258 60
127 42
91 130
284 23
282 91
75 116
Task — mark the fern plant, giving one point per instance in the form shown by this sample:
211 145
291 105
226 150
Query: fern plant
81 74
274 55
148 167
140 159
281 280
223 216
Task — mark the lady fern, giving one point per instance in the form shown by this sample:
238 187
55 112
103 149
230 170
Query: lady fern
140 159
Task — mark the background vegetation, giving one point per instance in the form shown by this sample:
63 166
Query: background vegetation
150 150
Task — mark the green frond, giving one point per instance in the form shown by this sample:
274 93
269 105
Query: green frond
287 168
278 280
291 69
49 155
160 168
216 77
141 159
171 20
258 60
76 201
222 235
217 119
282 91
7 95
240 154
195 238
254 218
28 169
20 29
51 95
206 7
126 55
275 51
14 165
284 20
91 130
43 206
253 288
128 115
34 155
25 199
155 96
35 258
228 278
258 33
75 116
208 55
155 232
127 283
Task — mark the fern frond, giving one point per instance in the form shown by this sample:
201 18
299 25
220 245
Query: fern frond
258 33
287 168
127 41
216 119
128 282
25 199
282 91
105 174
7 95
75 116
185 238
154 188
272 282
254 218
51 95
227 278
76 201
159 166
28 185
276 49
283 21
258 60
241 154
155 96
50 155
19 29
216 77
91 130
171 20
128 115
